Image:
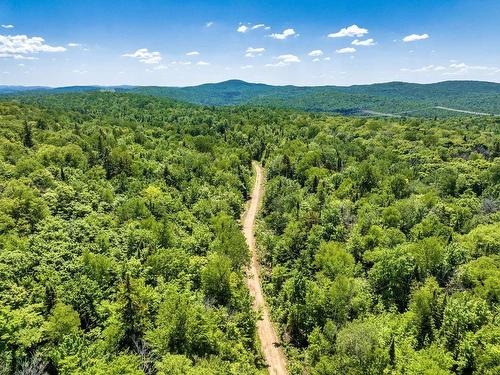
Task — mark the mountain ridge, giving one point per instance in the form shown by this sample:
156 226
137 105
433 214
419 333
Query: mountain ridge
389 97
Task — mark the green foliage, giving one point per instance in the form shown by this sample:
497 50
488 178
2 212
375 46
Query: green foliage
216 279
394 244
119 242
121 249
63 320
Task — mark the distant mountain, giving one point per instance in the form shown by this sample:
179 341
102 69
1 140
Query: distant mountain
18 89
392 98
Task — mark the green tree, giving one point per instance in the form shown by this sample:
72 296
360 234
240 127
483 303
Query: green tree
216 279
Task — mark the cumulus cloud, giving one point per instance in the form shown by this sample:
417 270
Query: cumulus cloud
285 34
192 53
242 29
252 52
346 50
18 46
144 56
288 58
284 60
415 37
202 63
8 26
351 31
74 45
316 53
366 43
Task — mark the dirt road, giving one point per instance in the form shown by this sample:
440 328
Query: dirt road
273 354
463 111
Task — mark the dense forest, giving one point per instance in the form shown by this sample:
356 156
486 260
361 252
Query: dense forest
382 241
396 98
121 250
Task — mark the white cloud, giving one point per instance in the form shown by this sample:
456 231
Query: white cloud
74 45
252 52
285 34
209 24
284 60
459 66
366 43
180 63
427 68
414 37
242 29
316 60
351 31
278 64
246 67
192 53
462 68
17 57
288 58
327 58
16 46
346 50
145 56
202 63
316 53
258 26
8 26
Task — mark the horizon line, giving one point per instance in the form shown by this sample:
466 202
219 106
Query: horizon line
243 81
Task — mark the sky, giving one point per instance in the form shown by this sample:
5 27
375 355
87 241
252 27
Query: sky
181 43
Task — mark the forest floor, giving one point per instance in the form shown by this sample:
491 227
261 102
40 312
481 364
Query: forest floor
270 346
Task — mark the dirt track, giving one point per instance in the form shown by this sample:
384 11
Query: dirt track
269 342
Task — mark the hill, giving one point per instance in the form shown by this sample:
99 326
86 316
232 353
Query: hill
392 98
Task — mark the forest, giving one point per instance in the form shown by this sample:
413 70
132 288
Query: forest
121 249
396 98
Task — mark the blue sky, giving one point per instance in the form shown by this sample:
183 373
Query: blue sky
187 42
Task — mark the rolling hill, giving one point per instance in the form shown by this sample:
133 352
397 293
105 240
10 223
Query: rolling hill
392 98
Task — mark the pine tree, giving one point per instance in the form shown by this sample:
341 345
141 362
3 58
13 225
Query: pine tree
27 135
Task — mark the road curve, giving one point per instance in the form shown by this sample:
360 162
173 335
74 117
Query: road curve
273 354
